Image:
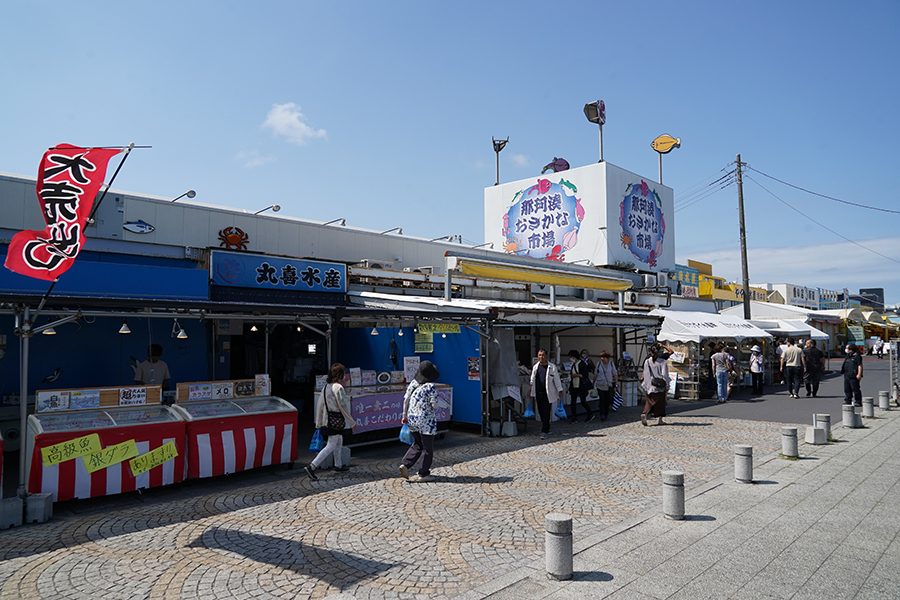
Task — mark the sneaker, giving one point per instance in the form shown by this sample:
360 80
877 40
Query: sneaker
589 419
423 478
544 435
404 471
573 420
341 469
643 419
311 472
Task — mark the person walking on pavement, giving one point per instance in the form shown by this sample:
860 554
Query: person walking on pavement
879 347
606 380
721 363
545 384
333 417
852 369
757 369
815 366
580 386
655 383
419 404
793 364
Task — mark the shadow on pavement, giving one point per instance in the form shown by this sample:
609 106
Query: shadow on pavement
591 576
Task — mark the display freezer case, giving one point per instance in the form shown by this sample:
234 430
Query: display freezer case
227 436
63 436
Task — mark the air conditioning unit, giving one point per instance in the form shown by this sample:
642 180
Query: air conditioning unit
371 263
662 279
423 270
631 298
649 280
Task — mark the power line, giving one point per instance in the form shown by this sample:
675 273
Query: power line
819 224
706 195
690 195
797 187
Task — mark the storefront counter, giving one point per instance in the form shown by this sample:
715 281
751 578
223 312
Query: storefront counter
378 410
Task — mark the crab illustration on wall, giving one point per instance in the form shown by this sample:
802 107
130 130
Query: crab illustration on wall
233 238
643 223
543 220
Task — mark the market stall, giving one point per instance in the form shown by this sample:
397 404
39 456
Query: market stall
234 426
378 410
689 334
97 442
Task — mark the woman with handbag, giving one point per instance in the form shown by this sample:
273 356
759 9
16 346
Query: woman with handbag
655 383
333 417
418 413
606 380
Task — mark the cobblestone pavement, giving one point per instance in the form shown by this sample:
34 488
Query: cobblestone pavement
368 532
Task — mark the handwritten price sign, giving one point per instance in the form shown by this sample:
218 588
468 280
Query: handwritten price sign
57 453
154 458
110 456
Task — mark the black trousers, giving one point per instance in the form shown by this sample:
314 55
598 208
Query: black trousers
757 382
423 445
606 397
852 392
580 394
812 381
543 406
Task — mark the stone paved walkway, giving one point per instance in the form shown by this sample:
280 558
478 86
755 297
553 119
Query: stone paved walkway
368 532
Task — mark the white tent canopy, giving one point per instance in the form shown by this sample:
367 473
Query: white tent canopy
695 326
796 328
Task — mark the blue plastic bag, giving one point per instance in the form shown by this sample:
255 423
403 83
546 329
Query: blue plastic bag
529 413
317 442
561 411
406 435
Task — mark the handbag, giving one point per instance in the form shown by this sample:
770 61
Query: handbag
317 442
617 400
406 435
659 382
336 422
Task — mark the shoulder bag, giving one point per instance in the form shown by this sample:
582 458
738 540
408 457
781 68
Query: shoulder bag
657 382
336 421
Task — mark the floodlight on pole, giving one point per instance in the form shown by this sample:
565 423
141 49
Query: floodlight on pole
596 113
343 222
498 146
189 194
274 207
399 231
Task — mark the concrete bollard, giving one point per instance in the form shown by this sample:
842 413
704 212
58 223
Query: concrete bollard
849 416
868 407
815 436
823 421
857 419
673 495
38 508
884 400
12 510
789 442
558 546
743 463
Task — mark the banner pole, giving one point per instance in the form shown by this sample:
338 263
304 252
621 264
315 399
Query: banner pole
108 185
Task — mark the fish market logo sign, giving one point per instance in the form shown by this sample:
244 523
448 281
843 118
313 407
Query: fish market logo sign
543 220
643 223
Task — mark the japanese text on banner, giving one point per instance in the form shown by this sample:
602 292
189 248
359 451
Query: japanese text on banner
57 453
154 458
110 456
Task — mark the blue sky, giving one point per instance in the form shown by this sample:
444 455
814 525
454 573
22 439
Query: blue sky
383 112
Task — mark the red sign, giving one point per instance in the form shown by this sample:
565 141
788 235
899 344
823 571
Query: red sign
68 180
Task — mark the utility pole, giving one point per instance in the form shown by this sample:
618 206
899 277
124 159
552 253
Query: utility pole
740 186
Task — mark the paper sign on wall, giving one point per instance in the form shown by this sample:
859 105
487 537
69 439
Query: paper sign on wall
50 401
57 453
222 390
110 456
262 384
410 367
154 458
200 391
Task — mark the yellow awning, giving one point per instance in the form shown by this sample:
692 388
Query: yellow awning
542 276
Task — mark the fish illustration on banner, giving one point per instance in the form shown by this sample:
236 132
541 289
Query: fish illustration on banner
543 220
643 223
69 178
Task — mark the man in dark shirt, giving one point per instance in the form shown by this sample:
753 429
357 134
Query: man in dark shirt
853 373
815 366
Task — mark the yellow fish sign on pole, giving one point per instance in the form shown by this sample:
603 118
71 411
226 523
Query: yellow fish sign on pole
664 144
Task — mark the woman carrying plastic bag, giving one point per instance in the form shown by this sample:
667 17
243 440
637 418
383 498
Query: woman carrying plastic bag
419 403
333 418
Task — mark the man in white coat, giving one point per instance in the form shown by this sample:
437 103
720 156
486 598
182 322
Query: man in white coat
545 384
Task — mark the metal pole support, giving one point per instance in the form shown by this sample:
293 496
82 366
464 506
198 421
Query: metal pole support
673 495
743 463
558 546
789 442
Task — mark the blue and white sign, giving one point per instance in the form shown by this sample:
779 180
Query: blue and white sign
257 271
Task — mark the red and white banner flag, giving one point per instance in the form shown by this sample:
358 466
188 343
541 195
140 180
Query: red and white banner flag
68 180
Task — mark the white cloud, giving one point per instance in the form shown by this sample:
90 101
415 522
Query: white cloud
253 159
287 121
520 160
832 266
